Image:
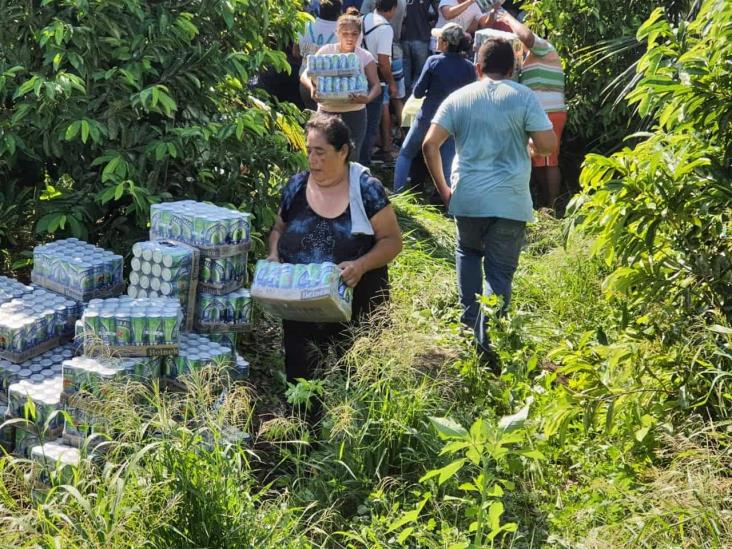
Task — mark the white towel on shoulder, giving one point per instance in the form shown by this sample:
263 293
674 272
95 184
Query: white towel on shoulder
360 223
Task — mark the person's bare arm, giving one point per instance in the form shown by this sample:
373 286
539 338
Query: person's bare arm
296 52
388 245
473 26
386 74
434 139
519 29
274 238
451 12
543 143
309 85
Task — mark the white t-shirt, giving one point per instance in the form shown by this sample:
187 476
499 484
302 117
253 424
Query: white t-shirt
317 34
464 19
379 40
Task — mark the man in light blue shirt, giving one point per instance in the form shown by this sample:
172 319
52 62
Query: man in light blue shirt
495 122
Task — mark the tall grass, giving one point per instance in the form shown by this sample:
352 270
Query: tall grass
178 474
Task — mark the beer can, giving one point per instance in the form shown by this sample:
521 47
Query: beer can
286 273
154 329
156 270
124 330
146 266
92 323
171 325
137 247
157 254
108 327
134 278
154 285
138 328
144 282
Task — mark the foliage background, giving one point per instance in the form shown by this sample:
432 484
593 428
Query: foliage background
107 107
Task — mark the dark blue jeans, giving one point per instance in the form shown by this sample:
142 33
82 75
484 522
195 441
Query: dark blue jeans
493 243
412 147
373 117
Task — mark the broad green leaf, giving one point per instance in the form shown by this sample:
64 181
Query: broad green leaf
515 421
448 428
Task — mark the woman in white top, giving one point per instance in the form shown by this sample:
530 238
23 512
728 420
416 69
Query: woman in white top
353 110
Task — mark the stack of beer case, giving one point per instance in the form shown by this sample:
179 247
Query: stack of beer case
218 241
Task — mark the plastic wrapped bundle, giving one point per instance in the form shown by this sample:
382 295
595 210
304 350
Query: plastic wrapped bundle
33 322
224 274
77 269
165 269
217 231
334 64
44 394
196 351
46 365
58 457
314 292
12 289
232 311
518 48
93 374
127 323
341 87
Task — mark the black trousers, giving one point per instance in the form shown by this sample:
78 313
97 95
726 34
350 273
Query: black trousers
308 343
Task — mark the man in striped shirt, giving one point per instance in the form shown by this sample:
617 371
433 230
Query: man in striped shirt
543 73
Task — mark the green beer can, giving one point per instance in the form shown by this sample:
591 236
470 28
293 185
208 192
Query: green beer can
108 328
154 329
171 325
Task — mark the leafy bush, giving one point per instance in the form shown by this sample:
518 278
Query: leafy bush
108 107
596 40
662 210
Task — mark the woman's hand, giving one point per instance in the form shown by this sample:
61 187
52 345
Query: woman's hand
359 98
351 272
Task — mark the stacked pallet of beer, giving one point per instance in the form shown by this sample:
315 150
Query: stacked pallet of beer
221 240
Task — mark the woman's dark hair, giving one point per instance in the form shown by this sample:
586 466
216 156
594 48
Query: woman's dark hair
334 130
352 10
330 10
496 56
349 18
463 46
384 5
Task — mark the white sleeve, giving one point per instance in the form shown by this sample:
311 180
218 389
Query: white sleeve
385 39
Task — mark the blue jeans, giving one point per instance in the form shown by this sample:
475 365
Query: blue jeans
415 55
496 243
412 147
373 117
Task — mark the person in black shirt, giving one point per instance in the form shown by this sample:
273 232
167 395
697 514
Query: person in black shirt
416 38
317 222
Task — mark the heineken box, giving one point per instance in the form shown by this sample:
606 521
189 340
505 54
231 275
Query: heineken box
215 231
222 275
35 323
11 289
196 352
57 459
230 312
314 292
162 268
127 327
33 370
77 269
518 48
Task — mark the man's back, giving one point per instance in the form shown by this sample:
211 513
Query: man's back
490 120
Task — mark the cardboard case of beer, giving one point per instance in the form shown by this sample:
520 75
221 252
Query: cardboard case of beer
518 48
307 292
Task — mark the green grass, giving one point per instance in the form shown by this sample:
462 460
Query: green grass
175 477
